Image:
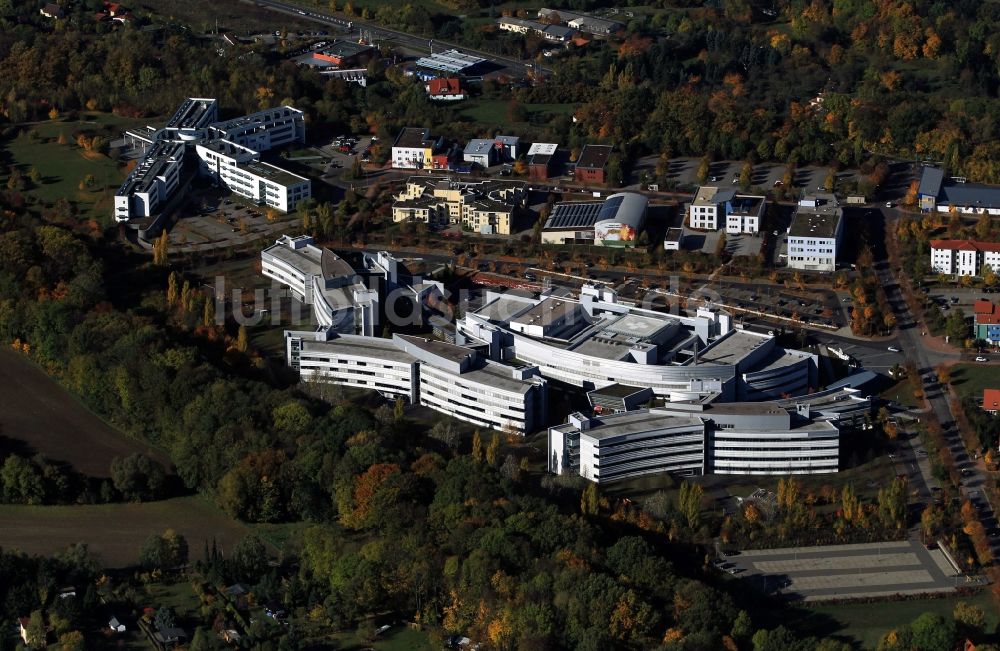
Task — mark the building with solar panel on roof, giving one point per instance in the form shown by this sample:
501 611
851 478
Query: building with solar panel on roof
616 221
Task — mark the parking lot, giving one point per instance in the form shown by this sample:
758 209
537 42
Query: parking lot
847 571
812 307
216 218
726 174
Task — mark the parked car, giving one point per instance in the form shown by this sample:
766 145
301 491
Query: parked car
982 359
893 349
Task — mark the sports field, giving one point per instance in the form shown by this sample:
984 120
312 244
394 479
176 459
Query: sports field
116 531
38 416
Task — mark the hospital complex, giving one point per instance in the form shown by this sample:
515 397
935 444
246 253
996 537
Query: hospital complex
693 394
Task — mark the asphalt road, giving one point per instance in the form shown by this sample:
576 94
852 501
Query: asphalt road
909 339
418 43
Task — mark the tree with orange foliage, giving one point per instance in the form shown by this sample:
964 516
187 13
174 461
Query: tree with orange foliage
366 486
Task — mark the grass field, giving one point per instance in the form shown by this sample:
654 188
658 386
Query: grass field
116 531
867 623
39 416
493 112
902 392
971 379
62 167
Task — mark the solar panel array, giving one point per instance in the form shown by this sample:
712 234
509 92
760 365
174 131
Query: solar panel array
574 215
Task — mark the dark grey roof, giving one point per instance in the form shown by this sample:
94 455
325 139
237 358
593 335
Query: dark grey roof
616 391
574 215
972 195
594 156
930 181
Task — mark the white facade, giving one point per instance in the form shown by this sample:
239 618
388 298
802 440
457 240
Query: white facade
339 300
697 438
477 397
815 234
154 180
627 445
450 379
601 342
227 152
355 361
703 212
713 208
810 449
964 257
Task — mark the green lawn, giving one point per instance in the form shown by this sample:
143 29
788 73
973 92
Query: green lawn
971 379
866 623
63 167
902 392
495 111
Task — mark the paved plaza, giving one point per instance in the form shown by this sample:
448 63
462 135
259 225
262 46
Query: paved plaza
843 571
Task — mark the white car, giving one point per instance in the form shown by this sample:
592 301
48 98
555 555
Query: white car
888 204
893 349
982 359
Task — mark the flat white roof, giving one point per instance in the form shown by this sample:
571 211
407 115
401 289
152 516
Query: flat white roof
546 148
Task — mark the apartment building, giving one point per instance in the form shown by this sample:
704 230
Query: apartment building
964 257
815 234
484 206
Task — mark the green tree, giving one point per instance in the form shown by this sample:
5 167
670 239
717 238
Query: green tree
589 499
249 559
932 632
746 176
742 626
154 553
138 477
35 631
21 481
493 449
242 340
703 168
970 617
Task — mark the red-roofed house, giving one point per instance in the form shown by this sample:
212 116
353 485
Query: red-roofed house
991 400
448 89
964 257
986 321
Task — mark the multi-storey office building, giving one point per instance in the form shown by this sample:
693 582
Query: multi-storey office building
228 152
750 438
240 170
815 234
341 302
714 208
151 183
451 379
594 341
